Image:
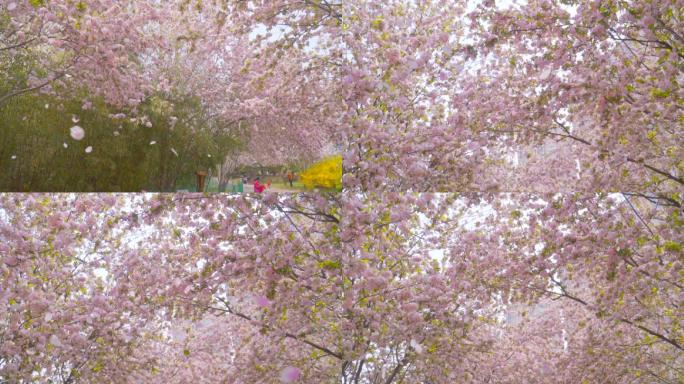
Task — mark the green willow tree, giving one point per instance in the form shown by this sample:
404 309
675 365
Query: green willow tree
159 150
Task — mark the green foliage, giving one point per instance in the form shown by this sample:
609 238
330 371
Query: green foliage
660 93
329 264
672 246
35 129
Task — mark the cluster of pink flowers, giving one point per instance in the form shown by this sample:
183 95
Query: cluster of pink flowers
511 213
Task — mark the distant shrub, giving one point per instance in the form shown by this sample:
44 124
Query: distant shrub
326 173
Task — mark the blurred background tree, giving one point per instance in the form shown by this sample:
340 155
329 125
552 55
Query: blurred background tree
159 150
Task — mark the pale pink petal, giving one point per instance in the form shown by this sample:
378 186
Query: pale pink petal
290 374
261 301
54 340
416 346
77 133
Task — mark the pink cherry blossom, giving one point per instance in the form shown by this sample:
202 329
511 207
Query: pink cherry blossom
529 265
261 301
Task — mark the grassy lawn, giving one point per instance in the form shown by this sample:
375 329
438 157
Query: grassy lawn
296 185
212 186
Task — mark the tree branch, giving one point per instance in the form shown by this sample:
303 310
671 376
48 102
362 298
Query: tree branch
358 371
30 89
657 199
321 348
638 215
18 45
631 160
397 369
626 321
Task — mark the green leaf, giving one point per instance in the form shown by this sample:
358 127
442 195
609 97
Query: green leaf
98 367
660 93
672 246
377 23
329 264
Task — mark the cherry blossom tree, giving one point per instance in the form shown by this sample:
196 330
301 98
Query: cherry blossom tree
413 90
95 45
351 288
130 53
62 319
502 98
598 82
554 255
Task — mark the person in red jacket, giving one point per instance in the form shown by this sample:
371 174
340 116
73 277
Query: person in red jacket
258 187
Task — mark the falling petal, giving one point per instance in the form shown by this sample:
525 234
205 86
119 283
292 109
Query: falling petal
153 142
65 145
174 152
545 74
261 301
88 149
14 157
205 324
77 133
290 374
47 106
208 155
75 119
178 334
54 340
416 346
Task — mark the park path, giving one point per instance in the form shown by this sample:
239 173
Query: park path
283 190
249 188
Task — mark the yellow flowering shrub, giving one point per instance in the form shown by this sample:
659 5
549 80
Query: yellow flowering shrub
326 173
